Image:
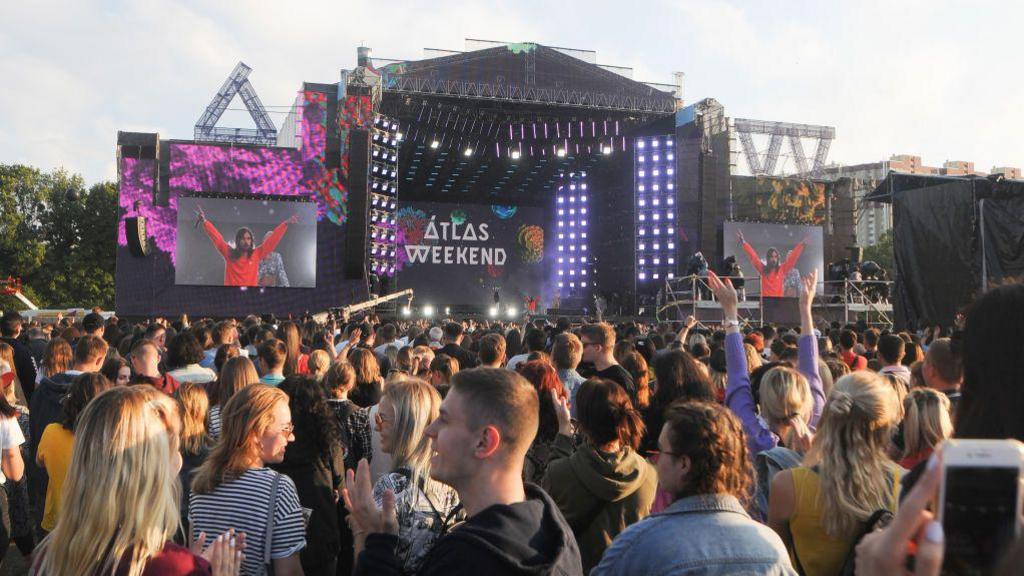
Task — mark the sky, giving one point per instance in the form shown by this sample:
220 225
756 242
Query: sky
938 79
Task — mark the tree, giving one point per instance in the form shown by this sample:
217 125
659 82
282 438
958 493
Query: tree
883 253
62 237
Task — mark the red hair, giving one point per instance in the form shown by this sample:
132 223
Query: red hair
542 375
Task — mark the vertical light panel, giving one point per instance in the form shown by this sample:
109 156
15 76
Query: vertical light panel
384 145
572 213
654 210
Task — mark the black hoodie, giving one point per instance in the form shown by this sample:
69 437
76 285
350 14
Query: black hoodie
527 538
44 409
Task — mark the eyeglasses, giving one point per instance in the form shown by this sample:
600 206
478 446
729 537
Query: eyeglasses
288 429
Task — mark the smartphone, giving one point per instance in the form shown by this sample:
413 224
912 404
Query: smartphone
979 502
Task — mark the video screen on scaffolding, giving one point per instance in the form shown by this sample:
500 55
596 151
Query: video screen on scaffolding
246 242
777 253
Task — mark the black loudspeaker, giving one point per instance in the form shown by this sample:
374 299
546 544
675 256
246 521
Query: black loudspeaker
138 239
357 232
856 254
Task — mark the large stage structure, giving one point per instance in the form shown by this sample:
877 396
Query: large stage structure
507 173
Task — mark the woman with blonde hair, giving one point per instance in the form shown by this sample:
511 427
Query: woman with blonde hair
236 374
193 405
127 443
318 363
425 508
369 384
7 355
235 489
57 358
820 507
926 423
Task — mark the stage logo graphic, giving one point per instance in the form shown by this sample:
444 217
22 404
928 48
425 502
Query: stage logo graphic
453 254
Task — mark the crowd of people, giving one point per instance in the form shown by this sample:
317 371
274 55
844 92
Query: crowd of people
371 445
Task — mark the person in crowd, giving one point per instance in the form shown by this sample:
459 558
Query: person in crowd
442 368
535 340
145 361
315 463
57 358
369 384
926 423
295 361
871 337
127 442
422 357
603 486
705 466
24 363
353 421
819 508
196 442
388 336
93 324
236 374
636 365
117 370
224 332
847 342
319 362
513 341
272 357
453 338
542 376
37 341
7 357
425 508
566 355
225 353
157 334
492 351
234 488
942 369
487 422
184 353
891 350
598 342
739 396
678 376
12 465
57 441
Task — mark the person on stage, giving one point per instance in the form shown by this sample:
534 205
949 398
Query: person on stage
241 261
773 274
272 272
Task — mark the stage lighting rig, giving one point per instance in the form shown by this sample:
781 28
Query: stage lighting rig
382 222
654 198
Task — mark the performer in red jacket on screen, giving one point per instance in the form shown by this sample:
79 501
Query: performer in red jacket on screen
773 275
242 263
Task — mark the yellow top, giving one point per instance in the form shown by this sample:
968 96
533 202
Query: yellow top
55 447
819 553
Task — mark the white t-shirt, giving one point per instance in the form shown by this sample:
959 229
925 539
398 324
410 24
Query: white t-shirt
10 437
516 361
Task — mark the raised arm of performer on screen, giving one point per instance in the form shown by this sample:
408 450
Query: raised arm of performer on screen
275 237
794 256
214 234
755 260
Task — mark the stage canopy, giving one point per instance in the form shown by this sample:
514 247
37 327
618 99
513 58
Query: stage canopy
953 238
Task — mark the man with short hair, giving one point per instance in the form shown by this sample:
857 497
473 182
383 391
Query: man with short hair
566 355
24 362
453 334
487 423
598 342
272 354
891 349
943 370
145 360
93 324
388 335
37 342
847 341
492 350
871 338
535 340
157 334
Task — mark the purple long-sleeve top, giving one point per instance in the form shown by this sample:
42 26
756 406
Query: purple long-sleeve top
740 399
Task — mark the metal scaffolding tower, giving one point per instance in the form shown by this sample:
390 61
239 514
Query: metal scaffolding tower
237 83
778 131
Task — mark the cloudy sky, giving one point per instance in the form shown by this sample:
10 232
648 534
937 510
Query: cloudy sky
938 79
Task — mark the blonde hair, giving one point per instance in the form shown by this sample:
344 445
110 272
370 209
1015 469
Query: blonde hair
416 405
753 358
124 443
719 381
194 405
13 393
244 420
318 363
786 400
850 450
927 421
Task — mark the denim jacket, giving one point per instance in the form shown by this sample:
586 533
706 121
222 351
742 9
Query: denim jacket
706 535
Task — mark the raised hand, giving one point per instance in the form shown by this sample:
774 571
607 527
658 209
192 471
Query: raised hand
808 287
690 322
725 294
739 238
358 495
201 213
562 412
294 219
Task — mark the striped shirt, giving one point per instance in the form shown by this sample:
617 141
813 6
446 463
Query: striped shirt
242 504
214 415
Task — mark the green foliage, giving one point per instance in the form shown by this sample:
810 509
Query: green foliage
62 247
883 253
